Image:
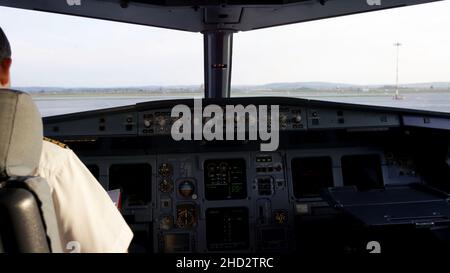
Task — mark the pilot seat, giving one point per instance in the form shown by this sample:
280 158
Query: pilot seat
27 215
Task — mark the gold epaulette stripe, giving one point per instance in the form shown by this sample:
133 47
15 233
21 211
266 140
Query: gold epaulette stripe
60 144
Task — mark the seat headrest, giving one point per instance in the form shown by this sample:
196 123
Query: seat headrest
20 134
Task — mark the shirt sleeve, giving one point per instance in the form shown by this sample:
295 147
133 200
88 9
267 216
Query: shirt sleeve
86 214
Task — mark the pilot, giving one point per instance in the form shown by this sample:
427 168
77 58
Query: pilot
87 218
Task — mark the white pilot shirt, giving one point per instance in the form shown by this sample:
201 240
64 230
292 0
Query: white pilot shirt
87 218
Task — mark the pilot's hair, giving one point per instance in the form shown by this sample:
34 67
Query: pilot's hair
5 48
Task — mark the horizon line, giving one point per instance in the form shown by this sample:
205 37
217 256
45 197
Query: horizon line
243 84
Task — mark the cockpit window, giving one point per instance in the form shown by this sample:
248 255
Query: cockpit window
73 64
390 58
352 59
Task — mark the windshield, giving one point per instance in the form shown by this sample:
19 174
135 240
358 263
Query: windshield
397 58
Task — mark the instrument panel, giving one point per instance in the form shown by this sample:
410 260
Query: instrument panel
155 120
225 179
216 199
234 201
227 229
230 196
159 122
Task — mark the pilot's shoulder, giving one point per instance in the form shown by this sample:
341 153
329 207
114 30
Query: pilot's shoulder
55 142
54 154
54 149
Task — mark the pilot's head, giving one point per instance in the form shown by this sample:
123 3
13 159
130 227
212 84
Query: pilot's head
5 61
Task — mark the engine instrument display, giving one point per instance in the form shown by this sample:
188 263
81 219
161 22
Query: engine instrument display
227 228
225 179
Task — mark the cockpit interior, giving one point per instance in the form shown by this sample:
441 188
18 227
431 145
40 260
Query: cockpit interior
343 175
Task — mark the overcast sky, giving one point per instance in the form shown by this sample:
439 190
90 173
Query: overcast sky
58 50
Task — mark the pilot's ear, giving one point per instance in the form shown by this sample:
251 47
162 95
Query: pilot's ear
5 67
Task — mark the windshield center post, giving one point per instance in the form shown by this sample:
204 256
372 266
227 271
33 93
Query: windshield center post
218 49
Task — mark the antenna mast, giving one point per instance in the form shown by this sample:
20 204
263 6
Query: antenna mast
397 95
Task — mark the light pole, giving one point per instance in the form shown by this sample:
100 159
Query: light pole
397 95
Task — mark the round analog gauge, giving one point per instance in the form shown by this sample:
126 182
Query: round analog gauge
186 217
165 170
280 217
147 123
186 188
166 222
161 121
297 118
166 185
283 120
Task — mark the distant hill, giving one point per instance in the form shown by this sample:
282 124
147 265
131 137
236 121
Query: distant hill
436 85
333 86
309 85
269 87
150 88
